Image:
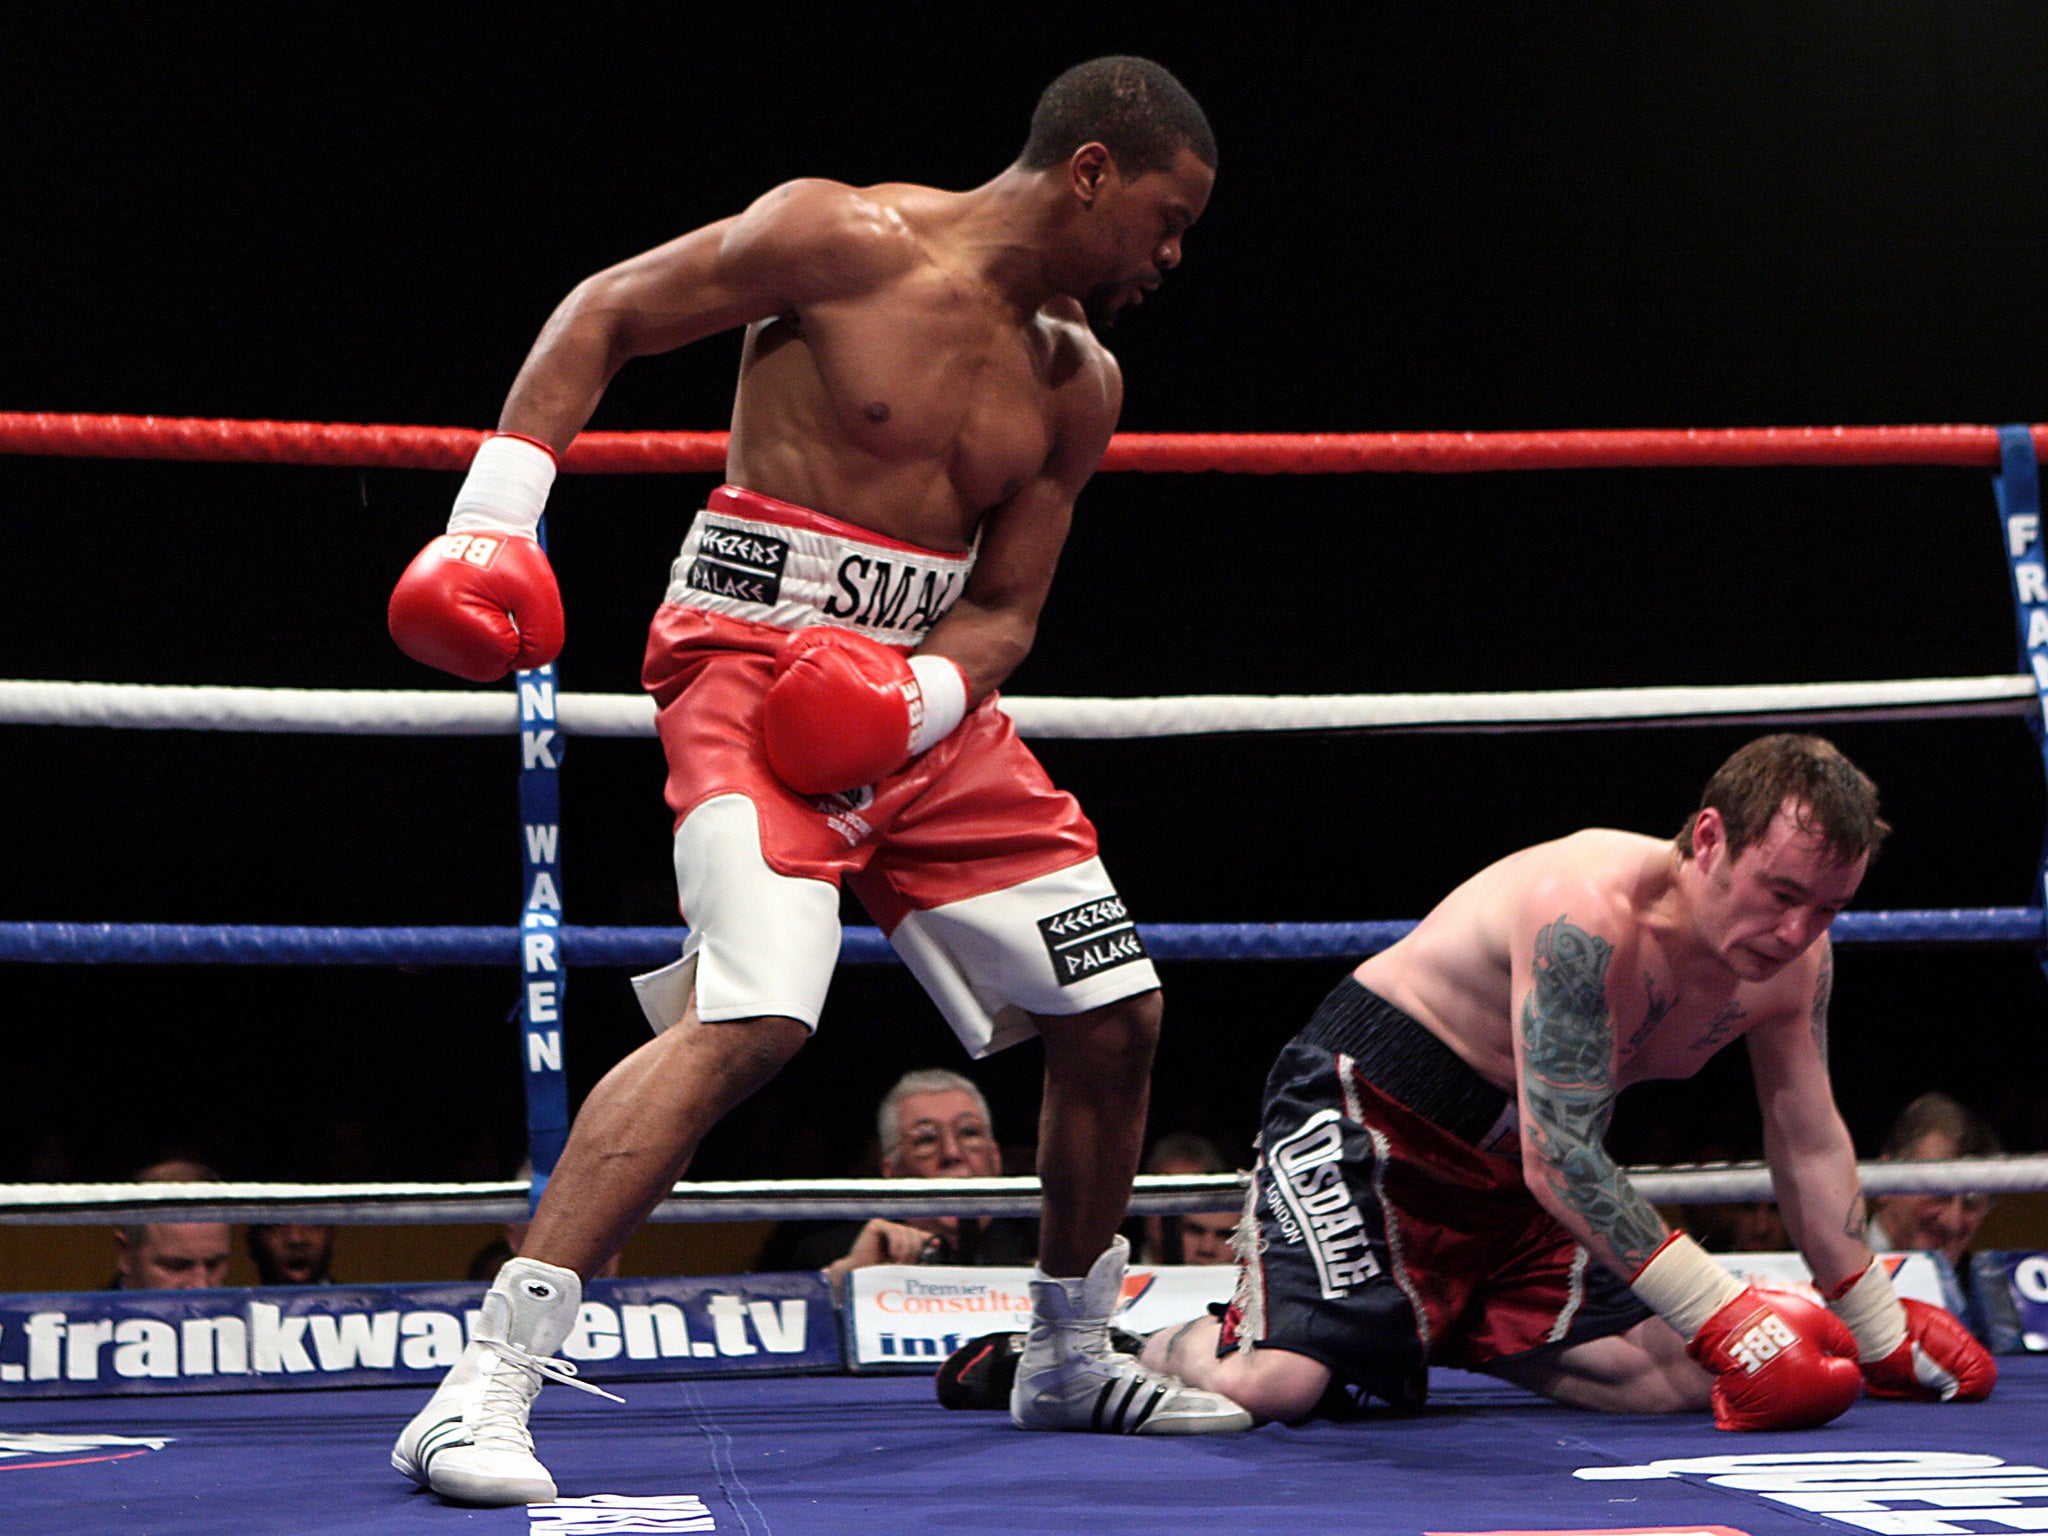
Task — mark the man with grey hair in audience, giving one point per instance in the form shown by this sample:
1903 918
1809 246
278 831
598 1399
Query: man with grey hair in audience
1933 1128
933 1124
172 1255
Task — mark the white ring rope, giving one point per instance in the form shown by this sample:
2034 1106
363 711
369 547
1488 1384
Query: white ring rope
425 712
431 1204
837 1199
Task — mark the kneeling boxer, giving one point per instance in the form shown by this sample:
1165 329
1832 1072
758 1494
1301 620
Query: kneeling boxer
1432 1184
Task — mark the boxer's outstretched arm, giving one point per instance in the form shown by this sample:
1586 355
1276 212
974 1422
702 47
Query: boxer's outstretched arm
803 243
1906 1348
1565 1071
1813 1160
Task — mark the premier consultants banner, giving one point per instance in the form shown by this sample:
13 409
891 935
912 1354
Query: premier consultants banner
910 1317
106 1343
902 1317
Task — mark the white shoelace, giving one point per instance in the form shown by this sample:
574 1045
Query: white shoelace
502 1413
1091 1343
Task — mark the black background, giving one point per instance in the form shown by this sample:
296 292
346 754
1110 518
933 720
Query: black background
1428 217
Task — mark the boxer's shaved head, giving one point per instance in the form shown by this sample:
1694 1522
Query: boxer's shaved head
1132 107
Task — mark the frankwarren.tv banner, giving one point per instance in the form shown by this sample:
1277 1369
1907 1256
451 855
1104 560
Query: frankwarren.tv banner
107 1343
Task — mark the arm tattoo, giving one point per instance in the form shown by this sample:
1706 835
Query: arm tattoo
1568 1081
1857 1222
1823 994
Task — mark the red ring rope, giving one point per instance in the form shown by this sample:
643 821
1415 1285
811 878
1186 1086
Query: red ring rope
1270 453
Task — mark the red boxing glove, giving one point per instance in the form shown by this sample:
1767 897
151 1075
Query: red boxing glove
1908 1348
1779 1362
481 599
478 605
845 710
1938 1363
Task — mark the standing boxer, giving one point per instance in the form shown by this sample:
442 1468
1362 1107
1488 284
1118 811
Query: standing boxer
921 398
1432 1184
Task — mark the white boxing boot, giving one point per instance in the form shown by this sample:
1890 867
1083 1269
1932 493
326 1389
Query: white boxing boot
1069 1376
471 1442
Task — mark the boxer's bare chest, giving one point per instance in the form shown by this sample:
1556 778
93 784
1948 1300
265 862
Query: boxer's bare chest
915 409
1657 1023
1667 1025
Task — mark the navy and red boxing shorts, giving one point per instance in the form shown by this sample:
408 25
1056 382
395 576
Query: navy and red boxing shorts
1386 1240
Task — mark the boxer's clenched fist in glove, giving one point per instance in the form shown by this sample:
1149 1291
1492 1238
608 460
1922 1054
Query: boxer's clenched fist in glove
480 600
1909 1349
1778 1362
845 710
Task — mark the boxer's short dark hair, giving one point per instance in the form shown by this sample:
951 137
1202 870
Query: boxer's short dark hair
1131 106
1831 796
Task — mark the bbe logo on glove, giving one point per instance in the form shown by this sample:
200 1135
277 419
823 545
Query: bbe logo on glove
479 549
478 605
1778 1361
1762 1344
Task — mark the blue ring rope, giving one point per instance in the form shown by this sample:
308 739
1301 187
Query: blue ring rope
248 944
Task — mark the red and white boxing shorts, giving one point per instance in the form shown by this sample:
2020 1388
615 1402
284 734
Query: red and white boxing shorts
984 876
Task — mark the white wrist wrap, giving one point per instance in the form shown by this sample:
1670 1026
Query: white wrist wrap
1684 1286
1870 1309
944 689
507 487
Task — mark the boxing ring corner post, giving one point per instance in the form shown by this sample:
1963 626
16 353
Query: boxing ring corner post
2016 488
